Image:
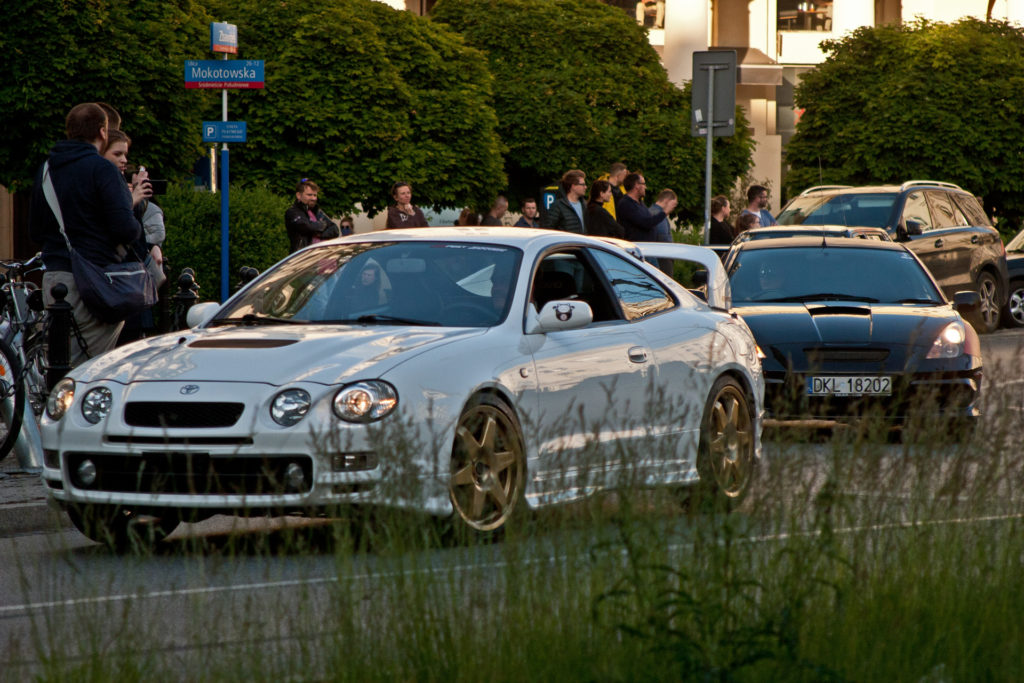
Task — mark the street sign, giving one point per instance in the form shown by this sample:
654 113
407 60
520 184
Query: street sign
223 37
229 73
723 64
224 131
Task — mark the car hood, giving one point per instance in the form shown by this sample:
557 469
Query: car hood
326 354
799 326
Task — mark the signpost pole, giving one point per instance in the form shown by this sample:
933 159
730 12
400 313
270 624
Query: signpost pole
224 203
707 160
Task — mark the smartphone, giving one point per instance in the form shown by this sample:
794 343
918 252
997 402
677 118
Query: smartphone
159 186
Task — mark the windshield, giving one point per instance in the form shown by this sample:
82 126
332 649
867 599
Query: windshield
847 274
408 283
868 209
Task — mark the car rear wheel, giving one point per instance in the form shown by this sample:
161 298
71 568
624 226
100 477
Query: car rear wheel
488 466
1013 311
987 318
725 458
119 528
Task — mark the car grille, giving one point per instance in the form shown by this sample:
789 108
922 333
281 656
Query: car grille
162 414
820 356
191 473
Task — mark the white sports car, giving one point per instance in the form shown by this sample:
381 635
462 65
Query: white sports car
463 372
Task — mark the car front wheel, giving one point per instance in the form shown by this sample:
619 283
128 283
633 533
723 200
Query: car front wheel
1013 312
725 459
487 467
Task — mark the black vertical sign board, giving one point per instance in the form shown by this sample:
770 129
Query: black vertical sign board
723 63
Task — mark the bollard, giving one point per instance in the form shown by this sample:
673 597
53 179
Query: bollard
184 298
58 337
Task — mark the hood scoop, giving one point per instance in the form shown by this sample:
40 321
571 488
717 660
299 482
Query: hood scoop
841 309
241 343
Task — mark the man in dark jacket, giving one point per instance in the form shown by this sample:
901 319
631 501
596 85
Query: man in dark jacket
96 207
306 223
633 216
566 213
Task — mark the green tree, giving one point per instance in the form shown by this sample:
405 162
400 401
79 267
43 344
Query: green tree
359 95
55 54
922 100
578 85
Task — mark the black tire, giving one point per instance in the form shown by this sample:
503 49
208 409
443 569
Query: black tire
1013 311
986 319
725 458
12 398
488 468
119 528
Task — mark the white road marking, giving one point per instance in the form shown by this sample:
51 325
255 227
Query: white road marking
9 610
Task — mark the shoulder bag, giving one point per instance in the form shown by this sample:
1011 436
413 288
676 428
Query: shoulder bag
112 293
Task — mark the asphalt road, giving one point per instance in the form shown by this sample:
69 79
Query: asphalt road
229 583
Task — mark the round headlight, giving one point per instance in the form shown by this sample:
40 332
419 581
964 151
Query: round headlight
96 404
289 407
365 401
60 398
949 343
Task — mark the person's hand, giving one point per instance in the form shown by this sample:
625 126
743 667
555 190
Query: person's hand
157 254
141 187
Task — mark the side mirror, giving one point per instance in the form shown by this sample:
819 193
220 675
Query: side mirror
914 227
966 302
700 278
568 314
201 313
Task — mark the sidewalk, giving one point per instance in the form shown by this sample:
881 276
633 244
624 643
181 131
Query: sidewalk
23 501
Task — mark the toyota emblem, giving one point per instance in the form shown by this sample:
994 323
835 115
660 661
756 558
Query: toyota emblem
190 389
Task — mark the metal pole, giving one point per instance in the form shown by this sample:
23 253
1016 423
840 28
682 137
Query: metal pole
710 132
224 203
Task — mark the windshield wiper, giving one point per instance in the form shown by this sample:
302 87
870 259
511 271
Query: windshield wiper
386 319
828 296
257 319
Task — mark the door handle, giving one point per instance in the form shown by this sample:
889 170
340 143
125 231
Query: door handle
938 243
638 354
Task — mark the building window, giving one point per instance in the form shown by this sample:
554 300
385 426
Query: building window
648 13
804 15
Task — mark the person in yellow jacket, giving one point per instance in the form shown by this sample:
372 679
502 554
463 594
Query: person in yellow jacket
615 175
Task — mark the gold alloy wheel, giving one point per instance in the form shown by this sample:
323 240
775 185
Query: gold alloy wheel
487 467
730 440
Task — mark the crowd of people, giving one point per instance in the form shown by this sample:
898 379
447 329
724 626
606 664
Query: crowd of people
612 207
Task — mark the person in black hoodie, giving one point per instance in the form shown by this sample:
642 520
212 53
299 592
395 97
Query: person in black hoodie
97 210
599 221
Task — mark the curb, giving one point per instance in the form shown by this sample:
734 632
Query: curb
25 506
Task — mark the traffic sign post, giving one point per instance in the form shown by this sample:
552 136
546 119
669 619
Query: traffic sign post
713 102
224 74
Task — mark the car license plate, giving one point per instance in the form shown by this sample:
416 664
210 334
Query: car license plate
857 385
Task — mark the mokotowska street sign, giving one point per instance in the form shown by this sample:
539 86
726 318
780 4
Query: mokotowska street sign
224 131
723 101
226 73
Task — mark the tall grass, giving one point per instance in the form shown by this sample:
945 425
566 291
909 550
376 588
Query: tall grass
854 558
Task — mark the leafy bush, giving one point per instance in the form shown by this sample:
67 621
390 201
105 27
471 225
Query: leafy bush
922 100
359 95
578 85
257 233
56 54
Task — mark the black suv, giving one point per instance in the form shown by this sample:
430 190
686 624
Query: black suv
942 223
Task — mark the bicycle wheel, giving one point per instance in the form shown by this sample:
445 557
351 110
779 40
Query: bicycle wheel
12 398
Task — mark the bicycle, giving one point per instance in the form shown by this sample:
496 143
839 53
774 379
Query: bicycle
24 325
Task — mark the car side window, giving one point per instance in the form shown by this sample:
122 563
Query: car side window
915 208
944 212
568 275
972 209
639 294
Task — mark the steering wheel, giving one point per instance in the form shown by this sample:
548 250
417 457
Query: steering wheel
480 312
